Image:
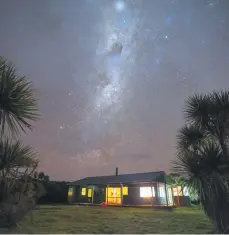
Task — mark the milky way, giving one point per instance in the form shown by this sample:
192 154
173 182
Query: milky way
103 107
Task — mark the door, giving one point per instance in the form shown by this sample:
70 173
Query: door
113 196
98 195
170 196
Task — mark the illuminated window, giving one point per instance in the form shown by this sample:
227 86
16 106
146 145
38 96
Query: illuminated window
170 196
180 193
89 193
153 192
162 191
113 195
147 192
175 191
185 191
70 192
83 191
125 191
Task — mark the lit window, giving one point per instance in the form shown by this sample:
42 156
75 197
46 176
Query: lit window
180 193
185 190
70 192
147 192
175 191
83 191
125 191
162 191
89 192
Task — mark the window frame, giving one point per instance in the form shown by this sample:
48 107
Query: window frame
70 191
89 191
83 191
125 190
150 189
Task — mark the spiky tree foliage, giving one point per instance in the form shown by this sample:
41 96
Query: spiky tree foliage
17 192
175 180
18 107
202 157
210 113
190 137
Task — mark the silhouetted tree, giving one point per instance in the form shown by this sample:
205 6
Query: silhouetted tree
203 154
56 192
51 191
46 178
18 110
41 176
35 175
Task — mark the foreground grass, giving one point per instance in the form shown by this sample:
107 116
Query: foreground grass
80 219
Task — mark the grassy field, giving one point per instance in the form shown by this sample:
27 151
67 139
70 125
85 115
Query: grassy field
80 219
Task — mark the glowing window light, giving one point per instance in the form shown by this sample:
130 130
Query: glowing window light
83 191
70 192
89 193
125 191
180 193
177 191
161 191
185 191
147 192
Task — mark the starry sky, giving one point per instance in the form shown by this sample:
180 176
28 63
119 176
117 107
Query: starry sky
101 109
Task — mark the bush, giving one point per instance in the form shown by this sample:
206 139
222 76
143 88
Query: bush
17 205
56 192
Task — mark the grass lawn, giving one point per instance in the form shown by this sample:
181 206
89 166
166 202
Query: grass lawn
91 219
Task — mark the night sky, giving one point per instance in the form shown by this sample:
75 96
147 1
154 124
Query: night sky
101 109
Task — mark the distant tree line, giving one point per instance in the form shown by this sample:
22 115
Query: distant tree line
52 191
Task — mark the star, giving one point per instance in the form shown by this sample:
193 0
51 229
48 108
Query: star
157 61
119 6
168 20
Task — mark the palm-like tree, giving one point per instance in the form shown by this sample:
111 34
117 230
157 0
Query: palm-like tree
18 107
203 158
175 180
17 162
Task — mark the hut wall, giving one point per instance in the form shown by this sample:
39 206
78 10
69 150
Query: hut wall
183 201
134 197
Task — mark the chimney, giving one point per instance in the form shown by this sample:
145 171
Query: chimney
116 171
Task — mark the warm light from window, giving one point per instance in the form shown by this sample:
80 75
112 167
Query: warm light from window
162 191
125 191
70 192
147 192
177 191
89 193
180 193
185 191
83 191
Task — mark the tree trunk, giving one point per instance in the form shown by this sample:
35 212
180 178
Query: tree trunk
215 229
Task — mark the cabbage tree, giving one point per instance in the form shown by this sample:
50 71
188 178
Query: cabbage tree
203 158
